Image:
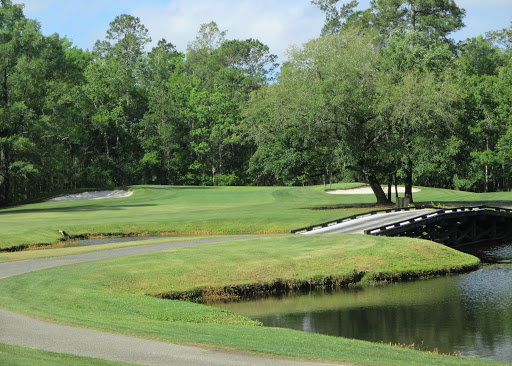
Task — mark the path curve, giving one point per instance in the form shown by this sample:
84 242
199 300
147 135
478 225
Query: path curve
21 330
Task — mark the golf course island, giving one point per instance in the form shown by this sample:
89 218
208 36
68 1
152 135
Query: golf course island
228 242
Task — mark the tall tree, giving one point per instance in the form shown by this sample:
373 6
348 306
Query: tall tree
28 64
115 89
438 18
125 40
325 97
416 98
336 14
478 66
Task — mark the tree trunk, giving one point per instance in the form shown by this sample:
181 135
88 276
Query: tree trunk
408 181
412 16
4 154
4 177
390 184
396 185
378 191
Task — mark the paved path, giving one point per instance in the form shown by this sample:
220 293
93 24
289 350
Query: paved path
359 225
25 331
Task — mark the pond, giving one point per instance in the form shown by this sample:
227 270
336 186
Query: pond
468 314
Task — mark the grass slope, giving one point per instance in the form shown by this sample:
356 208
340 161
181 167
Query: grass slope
23 356
110 295
152 210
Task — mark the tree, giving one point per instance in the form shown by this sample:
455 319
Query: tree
325 97
125 40
417 99
29 64
502 37
236 66
115 89
478 66
335 16
437 18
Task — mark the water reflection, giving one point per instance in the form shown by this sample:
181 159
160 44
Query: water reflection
470 313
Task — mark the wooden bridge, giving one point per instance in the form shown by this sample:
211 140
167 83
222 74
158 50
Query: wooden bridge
453 227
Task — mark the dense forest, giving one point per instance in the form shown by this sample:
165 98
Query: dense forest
383 95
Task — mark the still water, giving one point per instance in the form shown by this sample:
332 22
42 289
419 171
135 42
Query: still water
470 314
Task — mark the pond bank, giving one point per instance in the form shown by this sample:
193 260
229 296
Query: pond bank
280 287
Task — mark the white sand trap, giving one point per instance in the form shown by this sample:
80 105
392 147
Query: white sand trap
95 195
366 190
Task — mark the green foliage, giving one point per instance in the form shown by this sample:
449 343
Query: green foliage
361 102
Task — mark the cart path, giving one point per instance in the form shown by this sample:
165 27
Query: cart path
21 330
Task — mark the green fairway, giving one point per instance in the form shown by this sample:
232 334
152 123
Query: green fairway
22 356
122 295
111 295
155 210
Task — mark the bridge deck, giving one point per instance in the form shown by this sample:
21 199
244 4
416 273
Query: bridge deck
455 226
361 224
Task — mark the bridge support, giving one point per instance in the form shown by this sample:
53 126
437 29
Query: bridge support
465 230
455 227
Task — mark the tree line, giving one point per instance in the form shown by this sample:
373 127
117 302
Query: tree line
383 95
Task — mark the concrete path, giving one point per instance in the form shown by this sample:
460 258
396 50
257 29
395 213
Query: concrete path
359 225
25 331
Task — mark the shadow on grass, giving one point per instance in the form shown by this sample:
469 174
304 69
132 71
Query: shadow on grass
172 188
82 208
444 204
344 206
419 204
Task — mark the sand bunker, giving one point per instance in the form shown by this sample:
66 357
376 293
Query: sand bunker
95 195
366 190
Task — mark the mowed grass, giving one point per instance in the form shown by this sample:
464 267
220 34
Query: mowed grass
23 356
112 295
169 210
290 260
50 252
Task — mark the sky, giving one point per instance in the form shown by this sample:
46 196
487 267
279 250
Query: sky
277 23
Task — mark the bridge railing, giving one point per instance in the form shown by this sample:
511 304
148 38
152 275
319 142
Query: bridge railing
380 229
348 218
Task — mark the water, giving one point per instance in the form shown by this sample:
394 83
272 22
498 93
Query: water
89 242
470 314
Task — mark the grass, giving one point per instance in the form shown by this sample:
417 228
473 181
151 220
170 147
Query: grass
111 295
289 261
23 356
62 250
121 295
155 210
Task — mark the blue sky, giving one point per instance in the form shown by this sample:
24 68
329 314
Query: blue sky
277 23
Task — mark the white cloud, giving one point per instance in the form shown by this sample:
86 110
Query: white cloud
276 24
483 3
